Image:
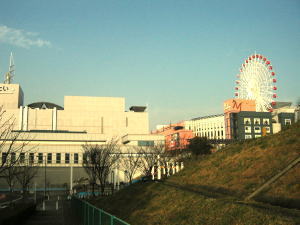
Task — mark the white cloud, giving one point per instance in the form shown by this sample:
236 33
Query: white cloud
21 38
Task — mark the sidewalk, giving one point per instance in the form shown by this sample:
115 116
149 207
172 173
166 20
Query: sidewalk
49 216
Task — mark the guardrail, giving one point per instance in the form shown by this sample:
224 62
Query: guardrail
91 215
6 203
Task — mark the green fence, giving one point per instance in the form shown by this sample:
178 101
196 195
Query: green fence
91 215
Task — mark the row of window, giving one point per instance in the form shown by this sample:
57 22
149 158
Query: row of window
40 158
205 126
249 136
215 134
257 129
207 129
257 121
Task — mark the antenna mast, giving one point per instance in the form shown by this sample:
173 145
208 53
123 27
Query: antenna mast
11 70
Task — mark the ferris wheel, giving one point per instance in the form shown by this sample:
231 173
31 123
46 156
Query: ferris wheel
256 81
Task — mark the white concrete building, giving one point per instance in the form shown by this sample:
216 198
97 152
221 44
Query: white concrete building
283 114
57 133
212 127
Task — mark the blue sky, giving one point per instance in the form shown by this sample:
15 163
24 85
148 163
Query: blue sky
179 57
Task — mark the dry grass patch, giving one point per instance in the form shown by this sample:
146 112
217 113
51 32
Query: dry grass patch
243 167
208 189
172 205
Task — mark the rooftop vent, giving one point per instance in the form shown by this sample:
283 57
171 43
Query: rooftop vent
137 108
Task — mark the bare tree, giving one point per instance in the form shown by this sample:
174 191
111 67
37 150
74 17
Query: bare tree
12 147
12 143
89 164
9 174
25 172
150 156
103 159
131 163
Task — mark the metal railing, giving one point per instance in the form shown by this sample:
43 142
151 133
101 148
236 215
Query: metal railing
91 215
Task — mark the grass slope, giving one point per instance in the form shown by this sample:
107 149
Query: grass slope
209 190
241 168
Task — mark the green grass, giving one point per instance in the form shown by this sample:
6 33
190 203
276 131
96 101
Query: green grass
210 189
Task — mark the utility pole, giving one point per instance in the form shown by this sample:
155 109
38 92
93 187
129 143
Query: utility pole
45 189
71 175
34 192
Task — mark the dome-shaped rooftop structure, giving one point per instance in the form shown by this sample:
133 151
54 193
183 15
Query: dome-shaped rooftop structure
44 105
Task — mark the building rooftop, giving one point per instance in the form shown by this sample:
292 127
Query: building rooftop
206 117
44 105
137 108
282 104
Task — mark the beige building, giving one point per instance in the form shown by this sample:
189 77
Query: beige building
57 133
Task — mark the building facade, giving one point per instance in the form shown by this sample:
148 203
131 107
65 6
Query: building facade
241 121
176 136
248 124
284 114
211 127
56 134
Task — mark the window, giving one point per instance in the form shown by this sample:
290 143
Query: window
58 157
31 157
257 121
76 158
4 157
22 157
247 129
287 122
247 121
40 157
248 136
257 135
49 158
145 143
257 129
67 158
266 121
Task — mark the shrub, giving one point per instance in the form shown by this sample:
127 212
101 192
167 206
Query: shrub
200 146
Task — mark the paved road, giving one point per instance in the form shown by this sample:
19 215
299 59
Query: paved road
49 216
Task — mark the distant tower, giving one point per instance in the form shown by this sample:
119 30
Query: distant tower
11 70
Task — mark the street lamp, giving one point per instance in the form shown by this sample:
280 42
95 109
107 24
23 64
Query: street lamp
71 174
44 157
112 181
